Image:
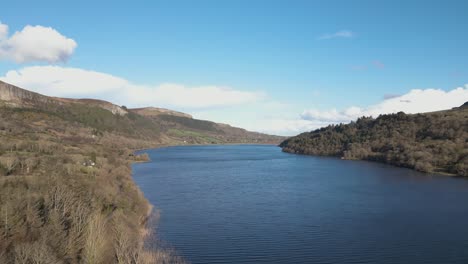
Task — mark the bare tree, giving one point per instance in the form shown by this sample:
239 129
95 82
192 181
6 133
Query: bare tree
30 163
5 220
22 254
9 163
36 253
95 240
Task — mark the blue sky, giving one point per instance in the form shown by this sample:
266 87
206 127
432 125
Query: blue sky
299 55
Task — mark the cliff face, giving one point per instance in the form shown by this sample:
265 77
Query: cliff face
15 96
18 97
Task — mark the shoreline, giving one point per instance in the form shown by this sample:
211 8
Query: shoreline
193 145
435 173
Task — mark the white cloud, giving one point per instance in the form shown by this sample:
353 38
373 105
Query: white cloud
284 126
416 101
378 64
339 34
3 31
363 67
190 97
35 44
266 116
78 83
332 115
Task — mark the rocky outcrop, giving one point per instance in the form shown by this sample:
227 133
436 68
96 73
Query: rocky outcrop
18 97
115 109
15 96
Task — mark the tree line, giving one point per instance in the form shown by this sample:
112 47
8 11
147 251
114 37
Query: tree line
430 142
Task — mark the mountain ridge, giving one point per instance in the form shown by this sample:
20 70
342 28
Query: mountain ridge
19 97
151 123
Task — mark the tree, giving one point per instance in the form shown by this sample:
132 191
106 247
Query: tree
9 163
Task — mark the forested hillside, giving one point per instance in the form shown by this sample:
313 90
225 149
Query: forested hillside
429 142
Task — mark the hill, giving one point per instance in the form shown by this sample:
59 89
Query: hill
429 142
159 125
66 191
156 111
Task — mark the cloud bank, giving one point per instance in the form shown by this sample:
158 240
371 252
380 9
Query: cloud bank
35 44
79 83
415 101
285 126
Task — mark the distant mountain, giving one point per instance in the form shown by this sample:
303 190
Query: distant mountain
159 125
429 142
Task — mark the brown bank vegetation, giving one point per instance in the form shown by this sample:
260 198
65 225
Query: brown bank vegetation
67 195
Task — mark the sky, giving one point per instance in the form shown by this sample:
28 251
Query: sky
280 67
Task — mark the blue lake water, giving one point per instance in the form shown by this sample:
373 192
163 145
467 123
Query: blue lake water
256 204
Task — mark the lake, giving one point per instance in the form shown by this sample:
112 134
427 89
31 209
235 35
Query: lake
256 204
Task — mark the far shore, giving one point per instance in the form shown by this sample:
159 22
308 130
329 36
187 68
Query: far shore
189 145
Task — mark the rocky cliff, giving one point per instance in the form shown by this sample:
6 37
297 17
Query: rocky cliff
15 96
18 97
